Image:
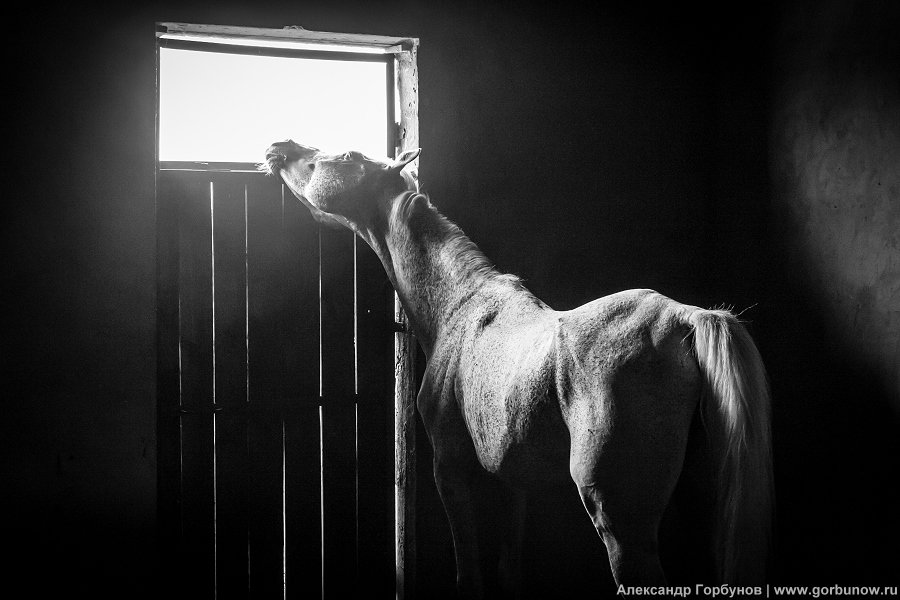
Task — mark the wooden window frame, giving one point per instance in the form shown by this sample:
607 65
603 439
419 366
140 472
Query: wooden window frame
401 53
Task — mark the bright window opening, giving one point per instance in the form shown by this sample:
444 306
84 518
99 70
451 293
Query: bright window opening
223 107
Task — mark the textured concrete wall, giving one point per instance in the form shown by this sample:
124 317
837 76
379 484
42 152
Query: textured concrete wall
837 159
833 337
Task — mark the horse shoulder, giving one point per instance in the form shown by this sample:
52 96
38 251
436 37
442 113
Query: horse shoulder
504 384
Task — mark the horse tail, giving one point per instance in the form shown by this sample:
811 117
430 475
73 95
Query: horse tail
735 408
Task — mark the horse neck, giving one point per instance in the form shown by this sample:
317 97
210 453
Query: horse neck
433 266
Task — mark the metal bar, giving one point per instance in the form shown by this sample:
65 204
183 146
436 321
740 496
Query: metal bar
391 116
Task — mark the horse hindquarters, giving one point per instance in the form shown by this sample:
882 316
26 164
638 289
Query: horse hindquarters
628 447
736 414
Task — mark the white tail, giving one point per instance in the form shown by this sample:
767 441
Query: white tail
736 412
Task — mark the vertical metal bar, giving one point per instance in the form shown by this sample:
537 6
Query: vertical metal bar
391 116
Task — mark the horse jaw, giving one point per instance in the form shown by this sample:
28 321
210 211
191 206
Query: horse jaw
326 218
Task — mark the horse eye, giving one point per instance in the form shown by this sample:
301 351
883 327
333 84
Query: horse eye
311 166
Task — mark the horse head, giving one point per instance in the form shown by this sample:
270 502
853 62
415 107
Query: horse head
339 189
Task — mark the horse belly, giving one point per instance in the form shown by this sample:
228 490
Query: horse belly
528 445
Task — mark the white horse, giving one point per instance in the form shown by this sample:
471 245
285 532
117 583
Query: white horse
606 393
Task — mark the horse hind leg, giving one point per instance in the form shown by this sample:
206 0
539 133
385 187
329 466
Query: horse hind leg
626 488
631 538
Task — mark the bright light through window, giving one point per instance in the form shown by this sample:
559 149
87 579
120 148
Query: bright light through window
219 107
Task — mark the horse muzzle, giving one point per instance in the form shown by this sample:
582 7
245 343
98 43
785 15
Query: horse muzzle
281 152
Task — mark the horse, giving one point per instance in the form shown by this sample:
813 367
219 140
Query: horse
608 394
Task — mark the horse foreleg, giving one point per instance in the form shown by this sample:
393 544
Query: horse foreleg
510 567
454 484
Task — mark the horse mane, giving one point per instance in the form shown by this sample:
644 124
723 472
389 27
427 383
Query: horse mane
414 207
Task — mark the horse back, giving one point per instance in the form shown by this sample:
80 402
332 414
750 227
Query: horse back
625 330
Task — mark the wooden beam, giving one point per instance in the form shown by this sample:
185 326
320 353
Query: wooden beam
404 357
388 44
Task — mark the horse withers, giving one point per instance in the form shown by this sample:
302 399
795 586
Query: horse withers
608 393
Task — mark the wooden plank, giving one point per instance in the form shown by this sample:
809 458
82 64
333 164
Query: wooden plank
303 506
230 327
196 383
294 34
265 342
168 417
375 341
338 413
404 458
404 360
406 66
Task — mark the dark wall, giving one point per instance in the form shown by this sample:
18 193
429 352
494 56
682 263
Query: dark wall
78 442
743 159
835 158
836 151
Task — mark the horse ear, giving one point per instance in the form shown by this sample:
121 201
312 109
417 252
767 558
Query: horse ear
404 159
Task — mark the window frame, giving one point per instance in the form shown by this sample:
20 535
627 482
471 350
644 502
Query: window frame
400 53
397 53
